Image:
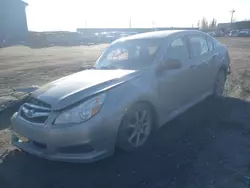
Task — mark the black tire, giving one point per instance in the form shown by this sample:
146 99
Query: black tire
132 128
219 84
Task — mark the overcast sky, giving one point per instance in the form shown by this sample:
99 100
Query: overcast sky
45 15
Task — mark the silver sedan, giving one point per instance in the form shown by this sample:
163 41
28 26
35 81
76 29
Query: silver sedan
138 84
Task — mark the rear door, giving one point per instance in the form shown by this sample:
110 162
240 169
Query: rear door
213 64
202 58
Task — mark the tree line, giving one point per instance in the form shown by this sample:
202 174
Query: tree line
205 24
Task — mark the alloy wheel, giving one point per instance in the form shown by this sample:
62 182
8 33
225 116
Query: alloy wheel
139 127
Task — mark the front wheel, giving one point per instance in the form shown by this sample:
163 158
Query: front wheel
136 127
219 84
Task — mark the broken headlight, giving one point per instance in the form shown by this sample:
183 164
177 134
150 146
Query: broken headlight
82 112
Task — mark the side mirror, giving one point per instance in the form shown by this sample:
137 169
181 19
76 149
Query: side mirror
170 64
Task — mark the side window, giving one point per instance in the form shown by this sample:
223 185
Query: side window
199 45
178 49
152 49
210 44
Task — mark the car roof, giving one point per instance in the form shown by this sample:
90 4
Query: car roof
158 34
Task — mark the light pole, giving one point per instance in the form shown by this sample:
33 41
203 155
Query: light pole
85 23
232 15
130 21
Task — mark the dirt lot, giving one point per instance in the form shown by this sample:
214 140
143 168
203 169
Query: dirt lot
208 146
23 66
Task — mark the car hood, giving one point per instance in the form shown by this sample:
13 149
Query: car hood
76 87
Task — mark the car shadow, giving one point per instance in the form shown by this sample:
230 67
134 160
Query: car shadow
170 159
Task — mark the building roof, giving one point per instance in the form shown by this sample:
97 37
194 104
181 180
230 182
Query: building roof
235 25
223 25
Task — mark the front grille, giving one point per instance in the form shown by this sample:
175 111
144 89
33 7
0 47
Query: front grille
35 111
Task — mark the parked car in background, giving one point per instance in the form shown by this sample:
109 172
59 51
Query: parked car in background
137 85
244 33
216 33
212 33
125 34
234 33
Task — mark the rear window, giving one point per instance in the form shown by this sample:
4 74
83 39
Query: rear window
199 45
210 44
216 43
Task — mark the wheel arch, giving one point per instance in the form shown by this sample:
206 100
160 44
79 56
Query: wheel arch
123 144
153 110
223 68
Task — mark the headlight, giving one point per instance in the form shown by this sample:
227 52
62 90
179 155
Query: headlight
82 112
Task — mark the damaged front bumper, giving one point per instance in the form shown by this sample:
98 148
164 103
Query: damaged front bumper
73 143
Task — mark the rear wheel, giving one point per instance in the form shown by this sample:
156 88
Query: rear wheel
219 84
136 127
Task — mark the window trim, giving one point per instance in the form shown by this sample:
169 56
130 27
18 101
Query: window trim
186 42
191 48
212 40
216 43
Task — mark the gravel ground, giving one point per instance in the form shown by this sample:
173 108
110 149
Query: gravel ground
23 66
208 146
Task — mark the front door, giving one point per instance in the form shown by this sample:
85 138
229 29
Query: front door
176 86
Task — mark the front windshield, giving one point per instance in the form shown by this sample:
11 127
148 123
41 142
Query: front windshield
130 54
